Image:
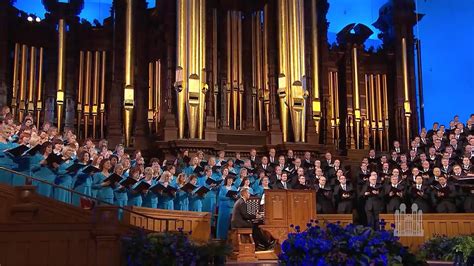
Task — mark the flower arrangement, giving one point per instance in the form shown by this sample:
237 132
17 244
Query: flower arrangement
441 247
337 245
171 248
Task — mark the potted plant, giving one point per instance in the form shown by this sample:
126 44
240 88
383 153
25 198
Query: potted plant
458 250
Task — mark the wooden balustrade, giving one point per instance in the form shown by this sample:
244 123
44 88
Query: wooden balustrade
198 223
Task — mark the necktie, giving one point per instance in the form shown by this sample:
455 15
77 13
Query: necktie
418 187
284 185
343 187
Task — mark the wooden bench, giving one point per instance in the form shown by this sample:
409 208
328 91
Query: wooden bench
243 244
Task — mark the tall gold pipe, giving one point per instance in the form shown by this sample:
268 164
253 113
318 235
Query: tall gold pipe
373 120
87 91
22 94
254 66
215 86
32 80
95 96
379 110
314 38
235 75
15 85
367 113
355 95
102 95
385 109
284 76
80 91
333 105
157 93
150 94
229 66
61 71
129 97
336 93
407 106
241 84
39 91
181 57
264 81
202 66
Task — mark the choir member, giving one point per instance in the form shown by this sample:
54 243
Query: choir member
134 196
394 193
63 177
344 196
165 200
209 202
374 204
105 189
194 197
226 203
150 199
44 171
420 195
82 182
324 202
120 191
181 201
283 182
302 183
443 196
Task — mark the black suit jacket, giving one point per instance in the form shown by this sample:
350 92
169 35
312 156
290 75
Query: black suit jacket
372 202
240 217
279 185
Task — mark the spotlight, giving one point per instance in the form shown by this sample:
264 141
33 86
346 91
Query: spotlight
30 18
38 19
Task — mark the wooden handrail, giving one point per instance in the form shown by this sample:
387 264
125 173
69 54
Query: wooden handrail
28 177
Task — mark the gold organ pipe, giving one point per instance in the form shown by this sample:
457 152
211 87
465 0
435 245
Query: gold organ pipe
202 67
39 91
336 93
385 109
215 86
241 85
367 113
264 80
373 114
284 77
61 71
150 94
95 96
102 95
229 65
314 37
235 86
181 56
406 105
87 91
22 94
32 80
80 91
15 85
254 65
157 90
129 97
379 110
355 94
333 106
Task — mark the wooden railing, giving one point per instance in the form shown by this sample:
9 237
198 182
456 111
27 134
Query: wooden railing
198 223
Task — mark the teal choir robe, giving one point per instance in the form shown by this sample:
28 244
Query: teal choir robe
43 172
134 197
225 211
103 193
209 202
7 162
63 179
150 199
195 201
181 201
165 201
82 184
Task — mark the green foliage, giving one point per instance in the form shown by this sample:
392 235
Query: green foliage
169 248
441 247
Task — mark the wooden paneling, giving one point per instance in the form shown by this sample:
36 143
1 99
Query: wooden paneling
199 223
35 230
343 219
436 224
